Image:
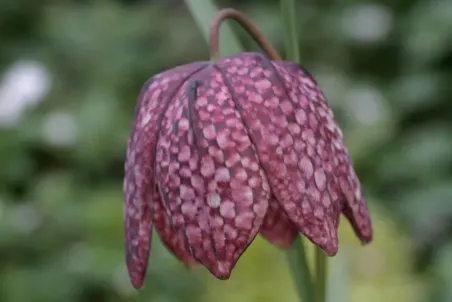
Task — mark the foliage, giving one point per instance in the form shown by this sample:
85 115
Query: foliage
78 67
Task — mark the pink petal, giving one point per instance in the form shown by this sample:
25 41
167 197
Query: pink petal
277 113
277 227
346 184
174 241
139 167
354 205
208 174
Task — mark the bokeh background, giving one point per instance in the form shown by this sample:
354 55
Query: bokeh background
70 73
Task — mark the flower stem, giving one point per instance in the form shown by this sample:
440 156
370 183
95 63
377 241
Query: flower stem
299 269
321 275
297 254
288 10
203 12
245 22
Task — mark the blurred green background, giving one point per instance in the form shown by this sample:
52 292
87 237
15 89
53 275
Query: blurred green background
70 73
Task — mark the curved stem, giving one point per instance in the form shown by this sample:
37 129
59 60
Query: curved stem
245 22
203 12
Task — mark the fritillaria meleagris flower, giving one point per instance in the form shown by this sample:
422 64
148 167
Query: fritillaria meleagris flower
221 151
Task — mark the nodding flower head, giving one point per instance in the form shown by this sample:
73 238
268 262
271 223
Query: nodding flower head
222 151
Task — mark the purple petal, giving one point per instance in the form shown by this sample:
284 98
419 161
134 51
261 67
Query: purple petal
174 241
346 186
139 167
212 186
277 227
281 124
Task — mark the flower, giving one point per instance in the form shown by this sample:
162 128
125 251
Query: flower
221 151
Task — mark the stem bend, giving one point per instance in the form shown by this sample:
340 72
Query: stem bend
245 22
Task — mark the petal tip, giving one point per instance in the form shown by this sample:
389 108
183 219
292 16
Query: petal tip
137 284
366 236
136 279
331 251
223 276
222 270
324 235
136 265
331 246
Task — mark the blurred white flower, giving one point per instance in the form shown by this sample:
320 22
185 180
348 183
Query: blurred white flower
366 103
78 258
60 129
25 218
334 83
367 22
24 85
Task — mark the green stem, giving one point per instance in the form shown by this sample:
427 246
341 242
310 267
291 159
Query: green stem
297 255
299 269
288 9
321 275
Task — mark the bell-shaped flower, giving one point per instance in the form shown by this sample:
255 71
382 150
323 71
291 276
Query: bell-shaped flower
222 151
